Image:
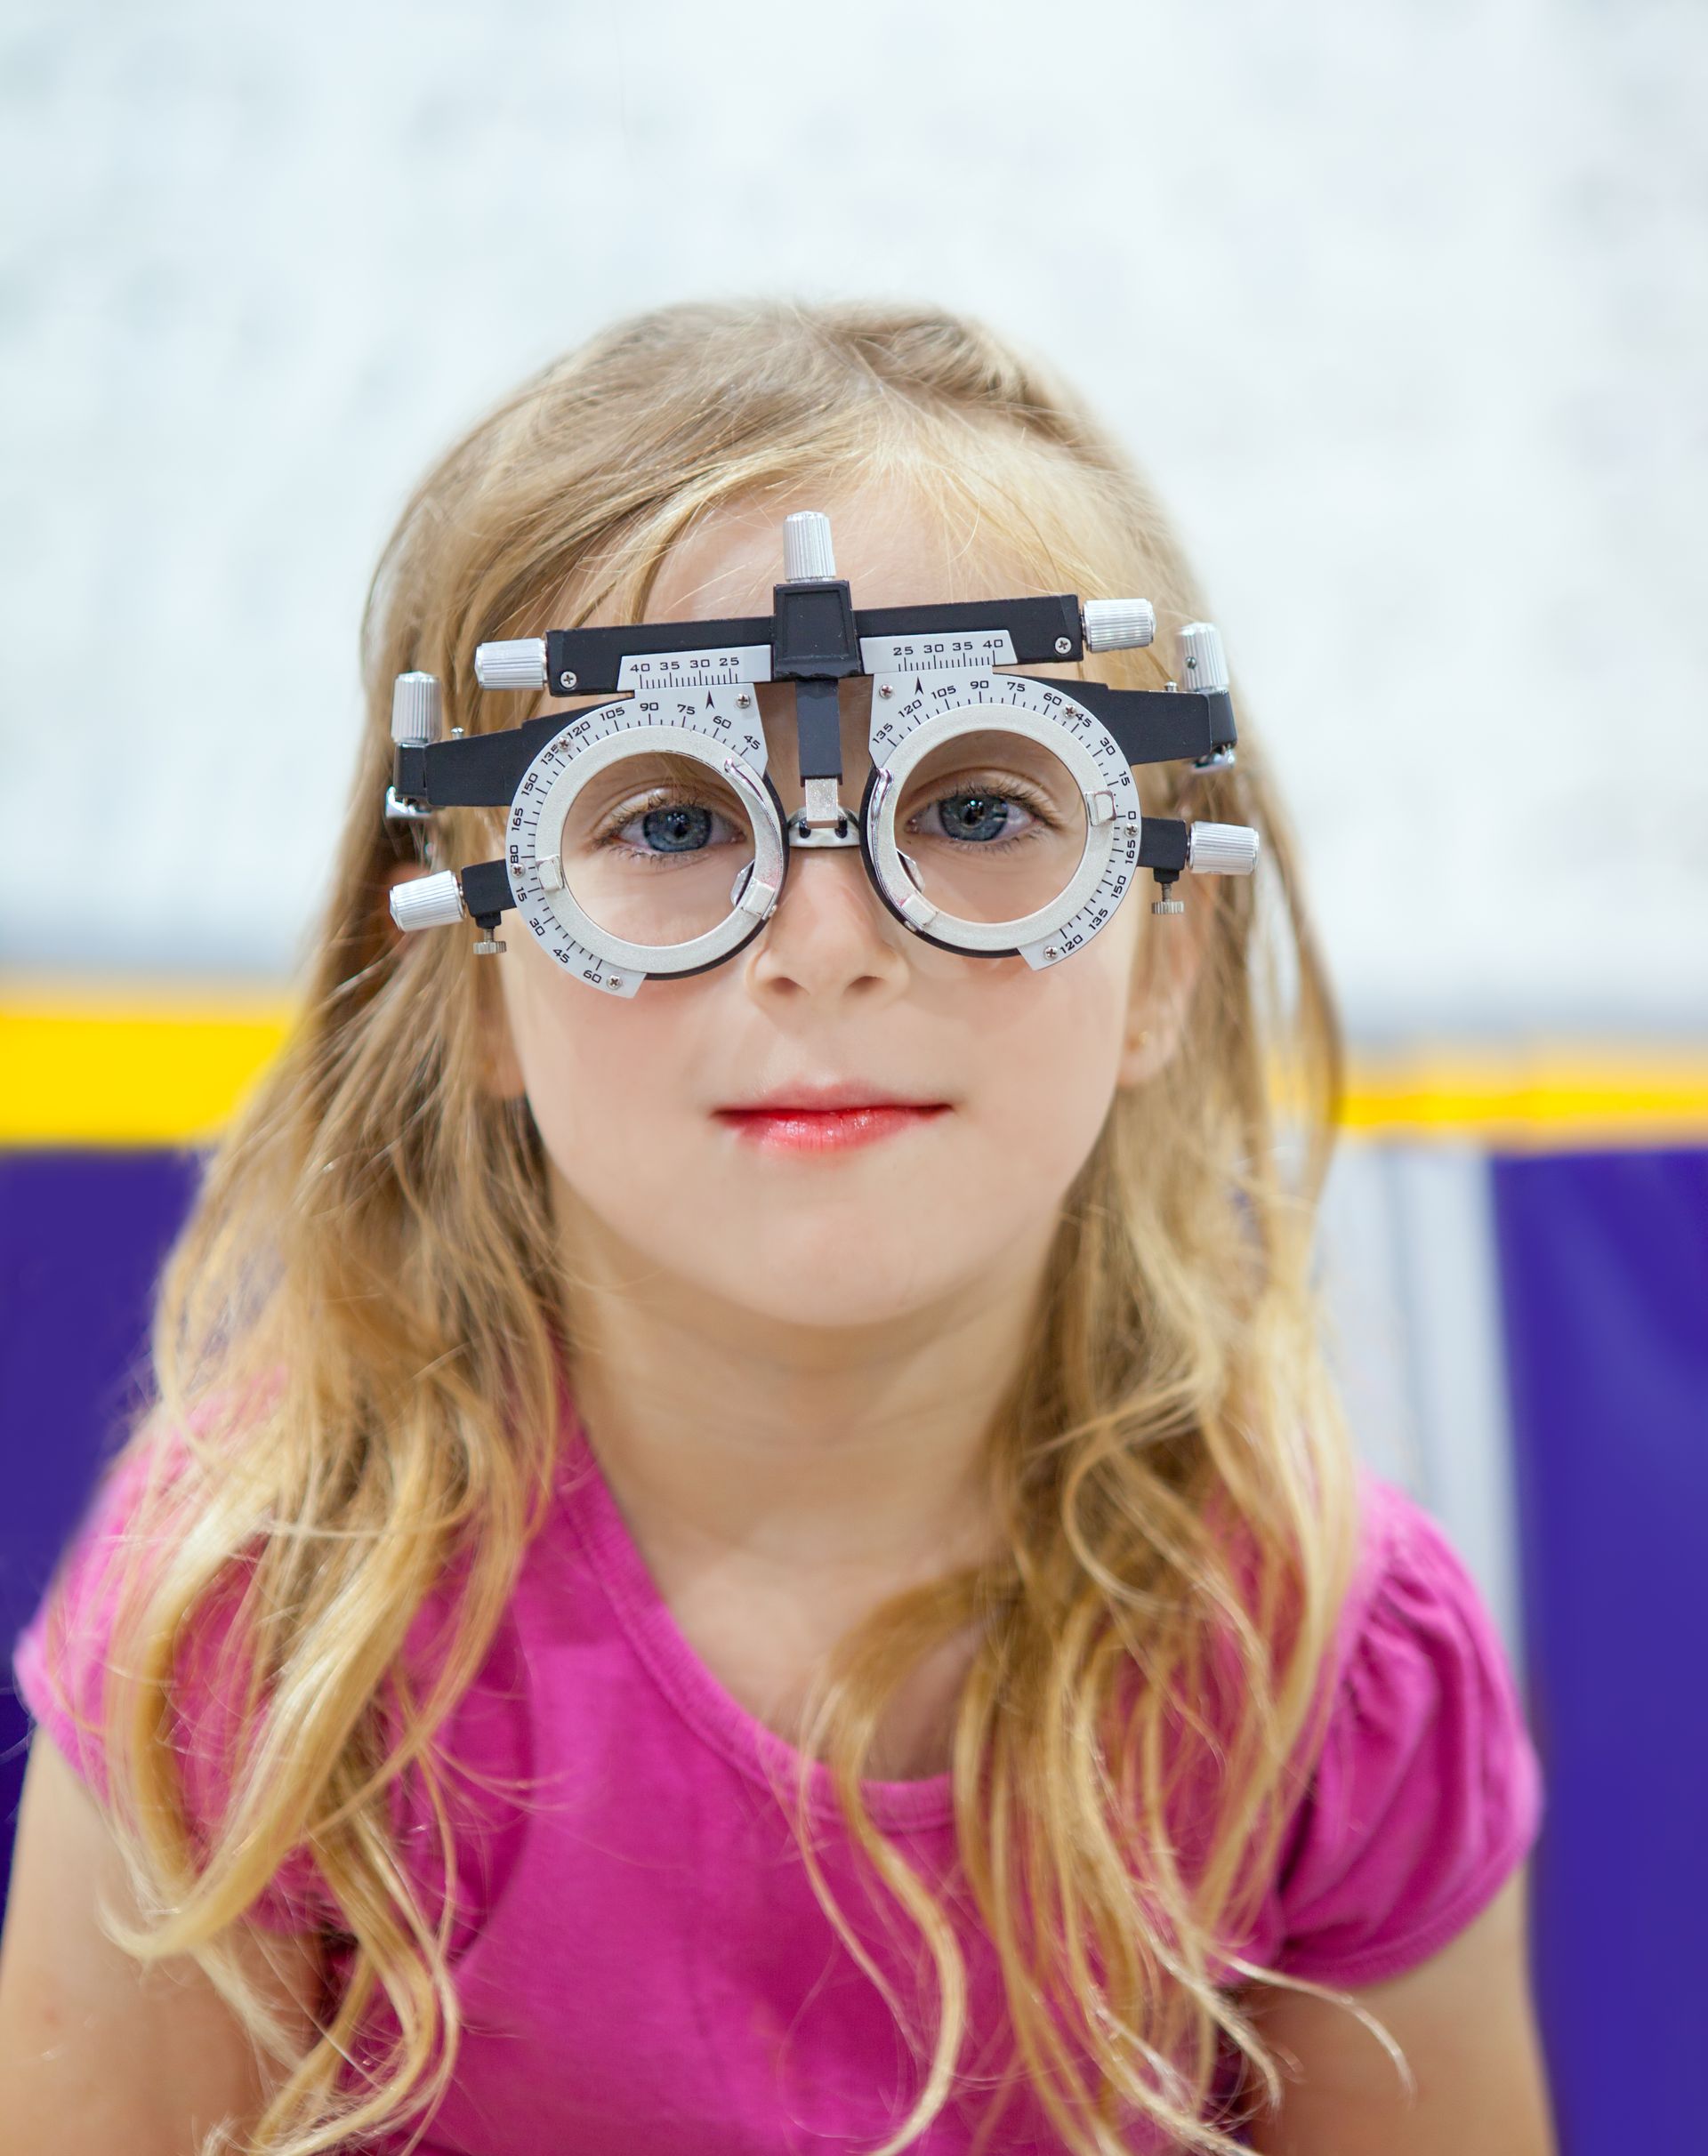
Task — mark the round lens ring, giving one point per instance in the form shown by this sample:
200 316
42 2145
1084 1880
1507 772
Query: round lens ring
655 848
1038 748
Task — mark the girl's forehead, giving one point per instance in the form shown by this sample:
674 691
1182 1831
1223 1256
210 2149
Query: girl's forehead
893 547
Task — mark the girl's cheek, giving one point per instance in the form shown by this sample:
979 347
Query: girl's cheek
605 1081
1057 1041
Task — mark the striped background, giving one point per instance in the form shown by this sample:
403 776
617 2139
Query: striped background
131 1066
1515 1256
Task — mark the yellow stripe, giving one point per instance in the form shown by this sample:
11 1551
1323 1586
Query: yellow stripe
129 1067
1534 1095
142 1070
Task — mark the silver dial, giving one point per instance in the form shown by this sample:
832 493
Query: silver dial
922 714
517 662
428 902
711 727
416 714
1118 624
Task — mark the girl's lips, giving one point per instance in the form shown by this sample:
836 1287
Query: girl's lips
794 1130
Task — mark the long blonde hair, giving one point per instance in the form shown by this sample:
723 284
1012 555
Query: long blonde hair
356 1325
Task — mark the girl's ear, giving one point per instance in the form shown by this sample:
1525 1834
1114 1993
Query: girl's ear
1166 973
501 1073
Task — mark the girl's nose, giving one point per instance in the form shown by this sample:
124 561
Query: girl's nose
830 936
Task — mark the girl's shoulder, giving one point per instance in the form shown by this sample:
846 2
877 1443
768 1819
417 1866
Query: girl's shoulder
1426 1793
66 1655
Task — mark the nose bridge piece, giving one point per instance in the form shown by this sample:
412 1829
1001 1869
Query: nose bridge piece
822 819
814 645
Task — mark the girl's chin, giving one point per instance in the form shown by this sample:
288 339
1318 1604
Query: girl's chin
841 1292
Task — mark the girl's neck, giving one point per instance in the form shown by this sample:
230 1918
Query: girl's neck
842 1454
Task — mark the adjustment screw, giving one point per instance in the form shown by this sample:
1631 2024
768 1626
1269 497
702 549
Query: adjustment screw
1118 624
1064 645
515 662
566 679
1050 951
1221 849
1199 644
884 689
807 553
427 901
743 701
415 710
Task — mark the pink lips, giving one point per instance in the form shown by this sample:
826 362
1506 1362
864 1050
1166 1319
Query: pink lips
827 1119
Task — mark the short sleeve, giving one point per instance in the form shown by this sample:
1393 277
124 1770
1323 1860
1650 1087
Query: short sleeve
1428 1793
62 1658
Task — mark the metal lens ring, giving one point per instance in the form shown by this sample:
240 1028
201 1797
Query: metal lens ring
711 733
922 721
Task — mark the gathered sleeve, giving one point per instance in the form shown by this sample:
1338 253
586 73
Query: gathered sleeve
1427 1793
63 1657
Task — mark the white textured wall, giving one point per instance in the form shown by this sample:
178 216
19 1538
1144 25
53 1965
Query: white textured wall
1405 307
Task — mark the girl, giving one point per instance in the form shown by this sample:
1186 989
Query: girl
638 1622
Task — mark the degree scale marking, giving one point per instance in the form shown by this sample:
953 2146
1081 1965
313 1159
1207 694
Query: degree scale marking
1083 727
585 730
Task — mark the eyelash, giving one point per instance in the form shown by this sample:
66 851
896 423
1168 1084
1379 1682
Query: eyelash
1010 789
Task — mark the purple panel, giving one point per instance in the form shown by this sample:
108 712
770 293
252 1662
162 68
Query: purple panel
1604 1260
82 1237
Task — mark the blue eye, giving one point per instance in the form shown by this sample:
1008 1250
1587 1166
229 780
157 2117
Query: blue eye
670 830
683 829
975 816
979 816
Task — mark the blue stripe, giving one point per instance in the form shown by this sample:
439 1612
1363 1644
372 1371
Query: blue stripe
82 1237
1604 1262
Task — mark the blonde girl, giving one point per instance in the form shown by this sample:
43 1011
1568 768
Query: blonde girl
638 1622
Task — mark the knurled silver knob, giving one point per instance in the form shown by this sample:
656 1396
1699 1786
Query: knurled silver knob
517 662
1118 624
416 710
1220 849
1202 661
806 545
427 901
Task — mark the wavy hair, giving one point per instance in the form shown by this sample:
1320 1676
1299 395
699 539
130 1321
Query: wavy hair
356 1328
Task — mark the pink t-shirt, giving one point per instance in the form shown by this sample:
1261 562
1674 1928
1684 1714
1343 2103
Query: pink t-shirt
639 1956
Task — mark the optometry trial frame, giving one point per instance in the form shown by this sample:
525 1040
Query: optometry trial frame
684 690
